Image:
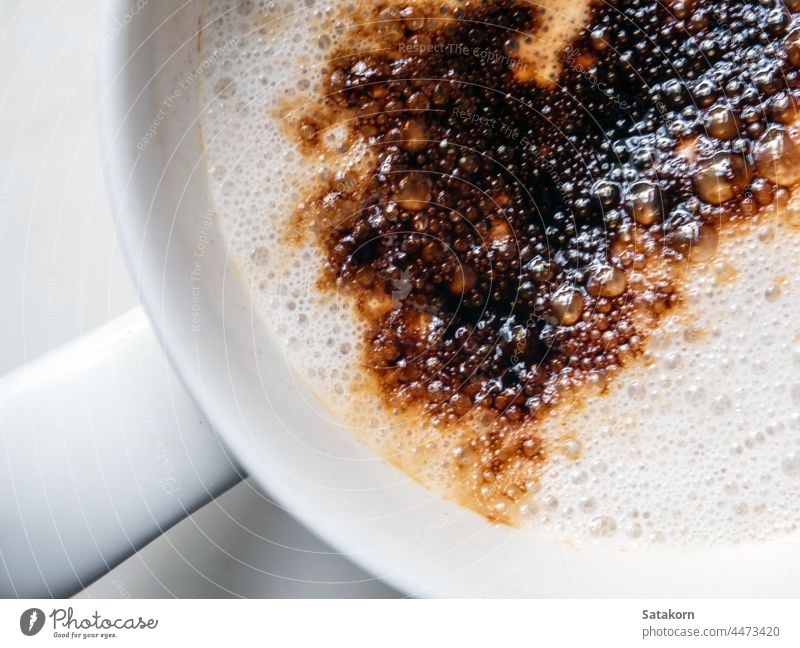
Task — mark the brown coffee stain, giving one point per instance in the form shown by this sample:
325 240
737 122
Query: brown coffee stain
387 182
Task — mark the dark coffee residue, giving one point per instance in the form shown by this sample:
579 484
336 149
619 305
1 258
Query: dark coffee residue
520 237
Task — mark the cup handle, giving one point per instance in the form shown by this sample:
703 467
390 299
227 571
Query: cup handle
101 451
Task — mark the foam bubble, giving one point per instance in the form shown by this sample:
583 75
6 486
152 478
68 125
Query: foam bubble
709 454
699 444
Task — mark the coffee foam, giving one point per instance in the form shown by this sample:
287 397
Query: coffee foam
700 441
697 443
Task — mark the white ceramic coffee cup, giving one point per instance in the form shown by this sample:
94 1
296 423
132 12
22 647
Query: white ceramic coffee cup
76 501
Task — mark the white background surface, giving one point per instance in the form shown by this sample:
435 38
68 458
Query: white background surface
63 276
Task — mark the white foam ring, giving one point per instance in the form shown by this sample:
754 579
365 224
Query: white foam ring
698 445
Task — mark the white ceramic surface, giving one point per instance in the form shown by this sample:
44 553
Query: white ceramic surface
64 277
364 507
386 522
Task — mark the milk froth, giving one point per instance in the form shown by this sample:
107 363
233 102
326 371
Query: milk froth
697 442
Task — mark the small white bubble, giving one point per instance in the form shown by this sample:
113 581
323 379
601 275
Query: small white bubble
260 256
579 477
598 467
636 390
603 526
633 530
791 464
572 449
721 404
731 488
